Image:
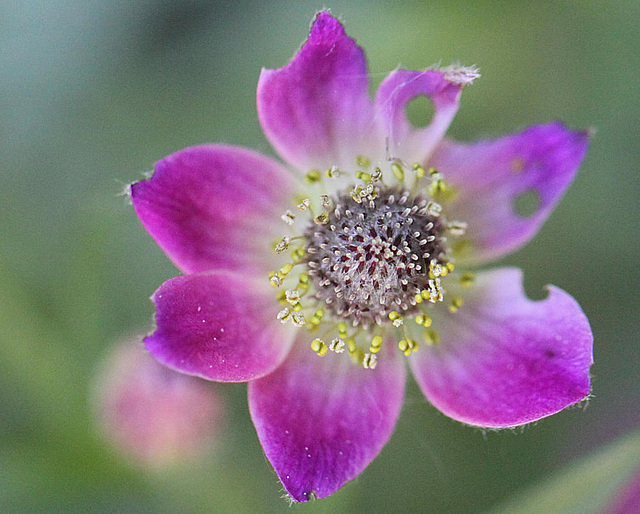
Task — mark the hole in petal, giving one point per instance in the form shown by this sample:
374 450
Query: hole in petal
419 111
527 203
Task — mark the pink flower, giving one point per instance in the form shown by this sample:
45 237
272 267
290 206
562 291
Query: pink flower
154 416
304 279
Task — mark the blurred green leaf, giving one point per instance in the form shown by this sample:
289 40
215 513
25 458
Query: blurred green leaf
586 486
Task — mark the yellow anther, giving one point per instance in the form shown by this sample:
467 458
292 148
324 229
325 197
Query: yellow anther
357 356
297 307
282 298
275 279
425 294
397 171
431 337
303 282
434 209
283 244
313 176
298 318
467 278
456 303
342 330
357 194
332 172
408 346
396 319
288 217
363 176
285 270
322 218
337 345
369 361
304 204
423 320
435 269
419 170
450 267
292 296
298 254
351 344
376 344
284 314
319 346
363 161
418 298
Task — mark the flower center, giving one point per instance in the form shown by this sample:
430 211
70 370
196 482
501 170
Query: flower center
371 258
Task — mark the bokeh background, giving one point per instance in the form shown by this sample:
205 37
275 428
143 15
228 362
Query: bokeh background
94 92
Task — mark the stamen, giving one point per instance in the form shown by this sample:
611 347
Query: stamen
337 345
376 344
431 337
397 171
362 161
313 176
322 218
304 204
370 361
283 244
457 228
396 319
408 346
456 303
423 319
419 170
288 217
292 296
467 279
333 172
319 346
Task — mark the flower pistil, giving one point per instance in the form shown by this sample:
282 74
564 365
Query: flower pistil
374 256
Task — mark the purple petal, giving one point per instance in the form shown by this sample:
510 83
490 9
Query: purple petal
218 326
492 175
316 111
321 420
214 207
401 86
504 360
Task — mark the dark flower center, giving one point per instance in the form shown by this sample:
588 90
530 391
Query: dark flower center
371 257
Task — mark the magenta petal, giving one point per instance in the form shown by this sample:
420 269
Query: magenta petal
316 111
492 175
217 327
321 420
504 360
214 207
404 141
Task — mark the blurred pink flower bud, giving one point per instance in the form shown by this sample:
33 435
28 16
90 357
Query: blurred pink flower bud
151 414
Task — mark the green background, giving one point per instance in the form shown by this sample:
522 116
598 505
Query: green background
94 92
